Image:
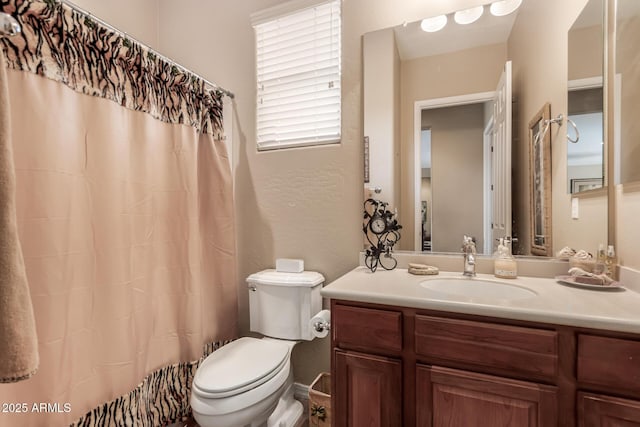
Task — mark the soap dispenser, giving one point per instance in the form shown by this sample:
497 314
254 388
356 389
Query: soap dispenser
601 259
505 266
611 262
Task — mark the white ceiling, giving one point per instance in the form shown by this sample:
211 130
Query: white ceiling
414 43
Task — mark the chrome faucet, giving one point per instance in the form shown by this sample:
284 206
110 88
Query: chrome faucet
469 251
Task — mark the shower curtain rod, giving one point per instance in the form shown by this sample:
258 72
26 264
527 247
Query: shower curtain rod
155 52
10 27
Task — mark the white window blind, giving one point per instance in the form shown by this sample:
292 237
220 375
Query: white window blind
298 76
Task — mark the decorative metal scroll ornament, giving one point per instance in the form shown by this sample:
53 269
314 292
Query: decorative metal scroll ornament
381 230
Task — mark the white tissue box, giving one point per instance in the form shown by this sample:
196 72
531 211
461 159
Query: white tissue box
286 265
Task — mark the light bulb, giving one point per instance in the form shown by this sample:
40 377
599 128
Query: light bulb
467 16
504 7
431 25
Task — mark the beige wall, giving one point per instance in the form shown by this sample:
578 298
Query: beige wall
138 18
456 175
439 76
540 75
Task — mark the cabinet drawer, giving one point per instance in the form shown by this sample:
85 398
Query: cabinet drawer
609 362
510 349
367 328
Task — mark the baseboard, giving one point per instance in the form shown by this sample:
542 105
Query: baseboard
301 392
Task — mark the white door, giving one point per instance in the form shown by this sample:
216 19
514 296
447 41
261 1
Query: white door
501 159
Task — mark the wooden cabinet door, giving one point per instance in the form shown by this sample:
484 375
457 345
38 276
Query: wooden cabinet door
596 410
453 398
368 390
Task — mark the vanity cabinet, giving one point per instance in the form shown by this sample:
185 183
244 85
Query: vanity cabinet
405 367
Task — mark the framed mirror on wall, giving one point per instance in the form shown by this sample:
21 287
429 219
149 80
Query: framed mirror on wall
406 70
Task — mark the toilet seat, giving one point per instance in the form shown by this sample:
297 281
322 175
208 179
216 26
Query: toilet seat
235 394
240 366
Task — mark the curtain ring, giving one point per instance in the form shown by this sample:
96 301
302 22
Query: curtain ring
9 26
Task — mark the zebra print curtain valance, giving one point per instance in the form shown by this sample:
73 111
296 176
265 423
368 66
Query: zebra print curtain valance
62 44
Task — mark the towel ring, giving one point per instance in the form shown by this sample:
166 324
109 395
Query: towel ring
575 128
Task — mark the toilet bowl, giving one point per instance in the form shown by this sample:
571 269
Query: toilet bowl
249 382
244 383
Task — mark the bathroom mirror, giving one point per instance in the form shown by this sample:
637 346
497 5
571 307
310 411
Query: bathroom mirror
405 67
585 140
627 90
540 181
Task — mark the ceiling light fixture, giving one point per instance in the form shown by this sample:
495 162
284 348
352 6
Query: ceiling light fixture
468 16
431 25
504 7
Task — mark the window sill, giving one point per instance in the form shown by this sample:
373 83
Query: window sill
275 147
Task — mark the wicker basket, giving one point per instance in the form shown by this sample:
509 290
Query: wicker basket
320 401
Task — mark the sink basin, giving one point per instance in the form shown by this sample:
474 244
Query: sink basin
472 289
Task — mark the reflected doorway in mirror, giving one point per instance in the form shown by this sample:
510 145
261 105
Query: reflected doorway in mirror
460 197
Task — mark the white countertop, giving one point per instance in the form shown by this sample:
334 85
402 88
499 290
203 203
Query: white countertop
554 303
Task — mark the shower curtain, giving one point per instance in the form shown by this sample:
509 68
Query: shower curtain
125 216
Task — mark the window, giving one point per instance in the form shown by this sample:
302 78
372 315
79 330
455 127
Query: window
298 76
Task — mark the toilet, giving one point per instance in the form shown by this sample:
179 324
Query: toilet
249 382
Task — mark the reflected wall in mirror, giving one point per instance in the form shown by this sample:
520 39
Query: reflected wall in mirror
585 156
405 68
627 93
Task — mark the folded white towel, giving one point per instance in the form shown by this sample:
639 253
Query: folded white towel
601 279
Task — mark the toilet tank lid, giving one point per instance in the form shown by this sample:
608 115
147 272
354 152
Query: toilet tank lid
278 278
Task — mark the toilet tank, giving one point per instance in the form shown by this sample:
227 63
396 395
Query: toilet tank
281 304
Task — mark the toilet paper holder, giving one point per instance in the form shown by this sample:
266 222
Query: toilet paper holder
322 325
